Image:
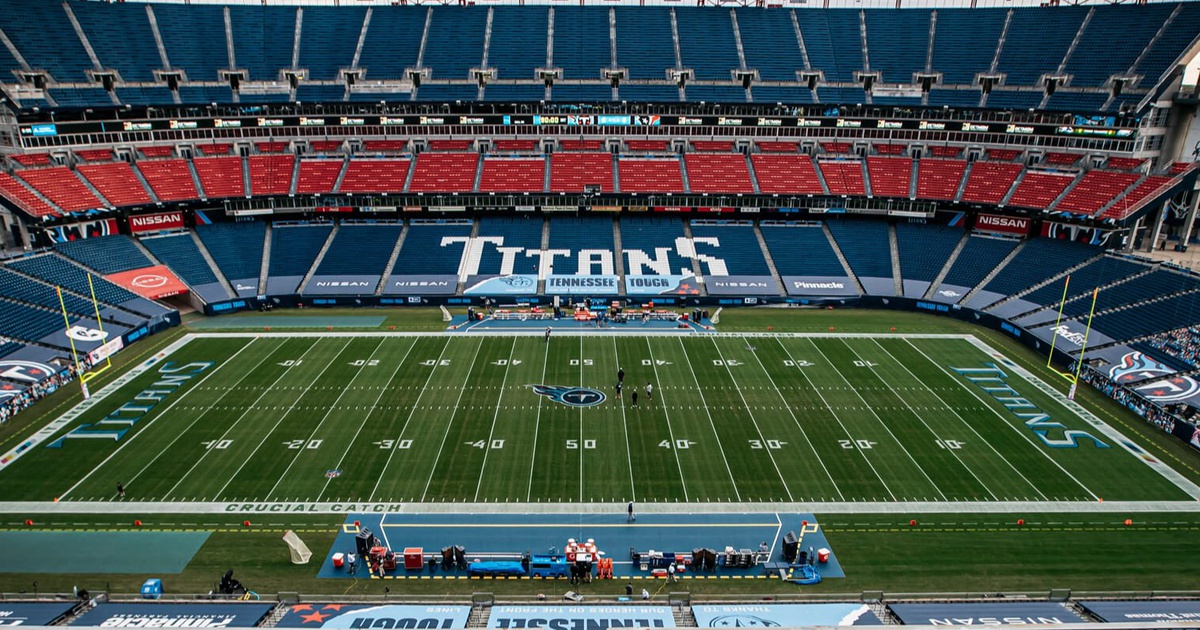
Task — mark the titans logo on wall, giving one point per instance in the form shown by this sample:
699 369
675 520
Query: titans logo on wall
518 282
1136 367
26 371
570 396
742 621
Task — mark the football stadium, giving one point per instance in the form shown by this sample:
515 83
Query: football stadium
587 315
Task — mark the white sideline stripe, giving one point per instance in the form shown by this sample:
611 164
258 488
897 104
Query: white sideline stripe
1157 464
671 431
617 510
450 422
537 424
96 398
559 333
495 415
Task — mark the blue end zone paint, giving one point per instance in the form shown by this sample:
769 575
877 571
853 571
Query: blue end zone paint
485 535
98 552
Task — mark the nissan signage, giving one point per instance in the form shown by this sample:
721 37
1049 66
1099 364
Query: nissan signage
1000 223
155 222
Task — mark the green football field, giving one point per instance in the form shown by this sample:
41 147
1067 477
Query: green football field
388 418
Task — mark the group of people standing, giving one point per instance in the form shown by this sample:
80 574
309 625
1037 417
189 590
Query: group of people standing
633 394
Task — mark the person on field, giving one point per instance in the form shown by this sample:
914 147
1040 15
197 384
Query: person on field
620 375
631 518
649 392
633 396
547 338
120 490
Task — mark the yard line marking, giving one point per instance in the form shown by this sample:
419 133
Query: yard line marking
920 417
148 424
625 427
537 422
837 418
753 421
1007 423
411 412
328 412
712 424
796 420
267 436
877 418
453 413
964 421
671 431
492 431
581 420
203 413
367 417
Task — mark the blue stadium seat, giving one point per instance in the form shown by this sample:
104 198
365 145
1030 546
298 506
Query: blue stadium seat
644 42
1147 319
1040 259
293 249
262 39
105 254
455 43
582 54
145 95
649 93
26 322
865 245
180 253
924 249
786 94
964 44
739 248
518 44
359 250
57 271
1096 58
517 232
423 252
801 250
393 42
706 42
584 93
189 33
1037 41
119 33
18 288
237 248
446 92
1156 284
80 97
646 234
515 93
45 38
769 42
319 93
1095 274
716 93
579 233
979 257
897 42
325 39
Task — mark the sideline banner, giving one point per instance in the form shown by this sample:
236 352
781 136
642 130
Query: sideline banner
597 284
420 285
1145 611
41 614
784 615
515 284
819 285
741 285
661 285
174 615
581 617
365 616
985 614
149 282
341 285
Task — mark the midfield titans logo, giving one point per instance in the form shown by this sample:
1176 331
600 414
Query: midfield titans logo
742 621
570 396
